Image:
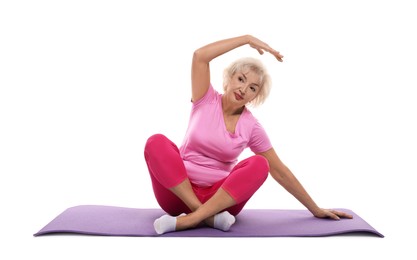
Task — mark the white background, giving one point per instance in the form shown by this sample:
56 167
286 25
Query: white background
84 83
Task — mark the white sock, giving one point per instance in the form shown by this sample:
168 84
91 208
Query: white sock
165 224
224 220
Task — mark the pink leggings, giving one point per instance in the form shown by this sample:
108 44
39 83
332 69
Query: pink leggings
167 170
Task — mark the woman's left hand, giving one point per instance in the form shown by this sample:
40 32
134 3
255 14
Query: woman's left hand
332 214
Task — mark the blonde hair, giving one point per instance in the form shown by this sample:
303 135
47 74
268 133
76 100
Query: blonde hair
256 66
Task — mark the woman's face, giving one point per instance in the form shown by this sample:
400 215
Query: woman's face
243 87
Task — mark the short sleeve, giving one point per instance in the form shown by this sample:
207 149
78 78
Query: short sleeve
210 96
259 141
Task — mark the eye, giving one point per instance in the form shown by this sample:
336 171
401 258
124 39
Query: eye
240 79
253 89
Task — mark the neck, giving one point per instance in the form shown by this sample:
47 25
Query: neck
231 109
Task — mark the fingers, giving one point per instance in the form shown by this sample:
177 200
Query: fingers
275 53
344 215
262 47
333 215
336 215
260 51
278 56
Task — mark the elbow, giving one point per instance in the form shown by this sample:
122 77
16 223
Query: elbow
199 56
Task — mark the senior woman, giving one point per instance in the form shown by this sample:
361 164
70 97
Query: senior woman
202 181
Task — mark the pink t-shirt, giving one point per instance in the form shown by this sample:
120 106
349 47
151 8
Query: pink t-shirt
210 151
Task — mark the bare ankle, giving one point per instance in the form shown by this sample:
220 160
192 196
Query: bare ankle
209 221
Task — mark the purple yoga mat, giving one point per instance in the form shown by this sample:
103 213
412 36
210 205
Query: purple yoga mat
122 221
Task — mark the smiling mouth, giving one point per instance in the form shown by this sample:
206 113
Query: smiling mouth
238 97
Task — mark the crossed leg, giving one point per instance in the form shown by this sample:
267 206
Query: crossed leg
207 212
176 195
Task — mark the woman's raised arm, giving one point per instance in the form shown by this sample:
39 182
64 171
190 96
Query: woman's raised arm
200 70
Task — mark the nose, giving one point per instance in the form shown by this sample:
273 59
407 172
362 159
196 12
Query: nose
242 91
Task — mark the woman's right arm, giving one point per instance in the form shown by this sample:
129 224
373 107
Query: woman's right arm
200 70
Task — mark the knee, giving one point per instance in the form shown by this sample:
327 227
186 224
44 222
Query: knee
156 139
155 142
261 164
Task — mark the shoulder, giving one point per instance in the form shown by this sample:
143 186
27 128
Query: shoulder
258 137
248 118
212 95
250 124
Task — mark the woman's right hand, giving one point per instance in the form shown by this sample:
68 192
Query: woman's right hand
261 47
